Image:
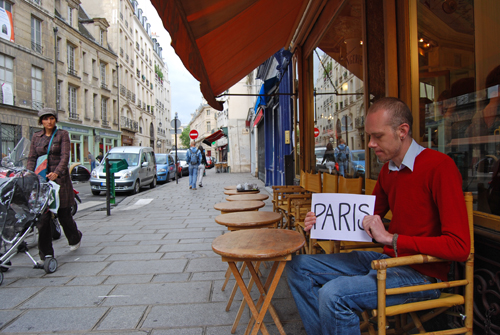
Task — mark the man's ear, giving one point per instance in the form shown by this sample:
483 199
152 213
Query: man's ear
404 130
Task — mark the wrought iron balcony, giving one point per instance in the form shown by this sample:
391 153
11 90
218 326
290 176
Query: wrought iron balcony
121 52
105 123
74 116
359 122
137 45
129 94
36 47
72 72
139 102
133 97
104 86
129 124
36 105
121 16
123 90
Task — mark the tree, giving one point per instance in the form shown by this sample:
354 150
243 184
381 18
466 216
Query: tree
185 139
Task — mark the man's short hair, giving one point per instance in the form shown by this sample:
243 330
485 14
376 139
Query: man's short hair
399 111
193 143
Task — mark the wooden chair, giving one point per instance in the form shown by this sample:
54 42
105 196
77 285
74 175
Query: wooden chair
436 306
350 185
369 187
280 193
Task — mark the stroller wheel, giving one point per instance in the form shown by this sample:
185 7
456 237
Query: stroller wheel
5 269
1 278
50 265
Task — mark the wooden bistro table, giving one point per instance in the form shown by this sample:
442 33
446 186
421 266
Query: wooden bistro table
236 192
238 206
247 197
259 245
230 187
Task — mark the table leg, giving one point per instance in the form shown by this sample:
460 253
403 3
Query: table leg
246 294
235 288
228 275
243 303
266 294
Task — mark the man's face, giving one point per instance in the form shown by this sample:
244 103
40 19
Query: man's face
383 139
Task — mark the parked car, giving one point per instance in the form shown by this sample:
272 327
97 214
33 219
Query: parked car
181 156
79 173
141 170
210 163
165 167
320 153
357 163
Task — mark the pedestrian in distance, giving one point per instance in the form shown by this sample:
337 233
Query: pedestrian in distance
57 171
329 157
201 167
193 157
342 157
91 161
330 290
99 157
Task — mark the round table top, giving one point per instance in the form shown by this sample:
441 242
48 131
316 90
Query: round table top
247 197
248 219
235 192
239 206
231 187
258 243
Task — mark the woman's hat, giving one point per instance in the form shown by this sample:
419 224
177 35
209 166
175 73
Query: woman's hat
47 111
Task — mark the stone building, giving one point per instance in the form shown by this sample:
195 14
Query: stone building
53 44
204 121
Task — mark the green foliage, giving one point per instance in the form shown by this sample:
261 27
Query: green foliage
185 137
158 71
327 69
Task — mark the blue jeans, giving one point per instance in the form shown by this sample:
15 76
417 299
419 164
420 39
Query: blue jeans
92 166
343 166
330 289
193 174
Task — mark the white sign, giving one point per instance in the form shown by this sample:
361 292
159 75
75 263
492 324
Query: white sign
8 97
6 25
340 216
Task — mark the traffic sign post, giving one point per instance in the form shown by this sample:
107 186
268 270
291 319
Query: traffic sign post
193 134
316 132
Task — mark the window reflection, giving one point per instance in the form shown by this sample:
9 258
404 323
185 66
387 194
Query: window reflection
459 68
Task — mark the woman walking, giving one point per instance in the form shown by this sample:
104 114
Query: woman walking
57 171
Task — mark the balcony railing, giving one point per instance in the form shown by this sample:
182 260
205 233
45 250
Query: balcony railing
161 131
104 86
133 98
105 123
148 108
147 82
359 122
126 123
132 62
139 103
74 116
143 105
142 52
146 58
36 47
72 72
137 45
126 25
123 90
121 16
121 52
126 58
129 94
36 105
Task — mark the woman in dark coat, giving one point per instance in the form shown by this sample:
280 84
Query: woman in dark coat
57 171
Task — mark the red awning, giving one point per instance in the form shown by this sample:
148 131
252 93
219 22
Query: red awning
214 137
221 41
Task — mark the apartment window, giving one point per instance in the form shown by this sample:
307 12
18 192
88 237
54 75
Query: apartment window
94 64
103 75
209 127
58 101
85 102
58 48
36 35
36 88
72 102
104 109
94 107
208 112
101 36
70 16
6 76
84 62
71 60
6 5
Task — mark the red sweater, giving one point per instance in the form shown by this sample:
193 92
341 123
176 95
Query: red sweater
428 208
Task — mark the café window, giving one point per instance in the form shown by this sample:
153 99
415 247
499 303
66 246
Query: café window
459 71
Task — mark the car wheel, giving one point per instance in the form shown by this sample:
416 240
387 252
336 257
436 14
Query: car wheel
137 187
153 183
96 192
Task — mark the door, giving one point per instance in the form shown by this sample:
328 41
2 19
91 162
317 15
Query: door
261 152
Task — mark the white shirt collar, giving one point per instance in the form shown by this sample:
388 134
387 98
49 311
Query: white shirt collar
409 160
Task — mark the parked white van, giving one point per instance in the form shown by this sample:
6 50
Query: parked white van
141 170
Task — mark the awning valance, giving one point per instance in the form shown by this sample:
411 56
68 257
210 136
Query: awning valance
221 41
265 89
214 137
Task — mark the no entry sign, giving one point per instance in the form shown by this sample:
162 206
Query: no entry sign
316 132
193 134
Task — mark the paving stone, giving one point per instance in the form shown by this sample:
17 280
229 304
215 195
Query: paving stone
185 247
179 331
11 297
69 296
159 294
191 235
143 267
86 280
56 320
206 264
135 257
7 316
122 318
39 282
129 249
171 277
80 268
129 279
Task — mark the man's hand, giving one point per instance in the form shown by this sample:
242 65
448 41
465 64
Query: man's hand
309 221
375 228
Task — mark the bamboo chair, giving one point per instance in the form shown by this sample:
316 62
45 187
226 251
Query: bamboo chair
436 306
280 193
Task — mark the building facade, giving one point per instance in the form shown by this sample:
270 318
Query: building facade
204 121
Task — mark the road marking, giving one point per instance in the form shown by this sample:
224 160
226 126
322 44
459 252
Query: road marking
113 296
139 203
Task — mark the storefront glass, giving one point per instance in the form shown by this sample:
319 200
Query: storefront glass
459 71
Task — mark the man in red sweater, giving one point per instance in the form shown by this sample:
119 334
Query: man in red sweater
423 188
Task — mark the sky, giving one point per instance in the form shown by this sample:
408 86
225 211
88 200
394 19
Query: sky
185 91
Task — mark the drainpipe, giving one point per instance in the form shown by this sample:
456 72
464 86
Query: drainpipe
55 67
118 91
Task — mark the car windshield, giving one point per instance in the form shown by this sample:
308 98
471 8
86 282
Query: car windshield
181 155
320 153
358 156
161 159
132 159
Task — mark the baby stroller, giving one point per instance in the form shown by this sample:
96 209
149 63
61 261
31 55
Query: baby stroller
24 197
